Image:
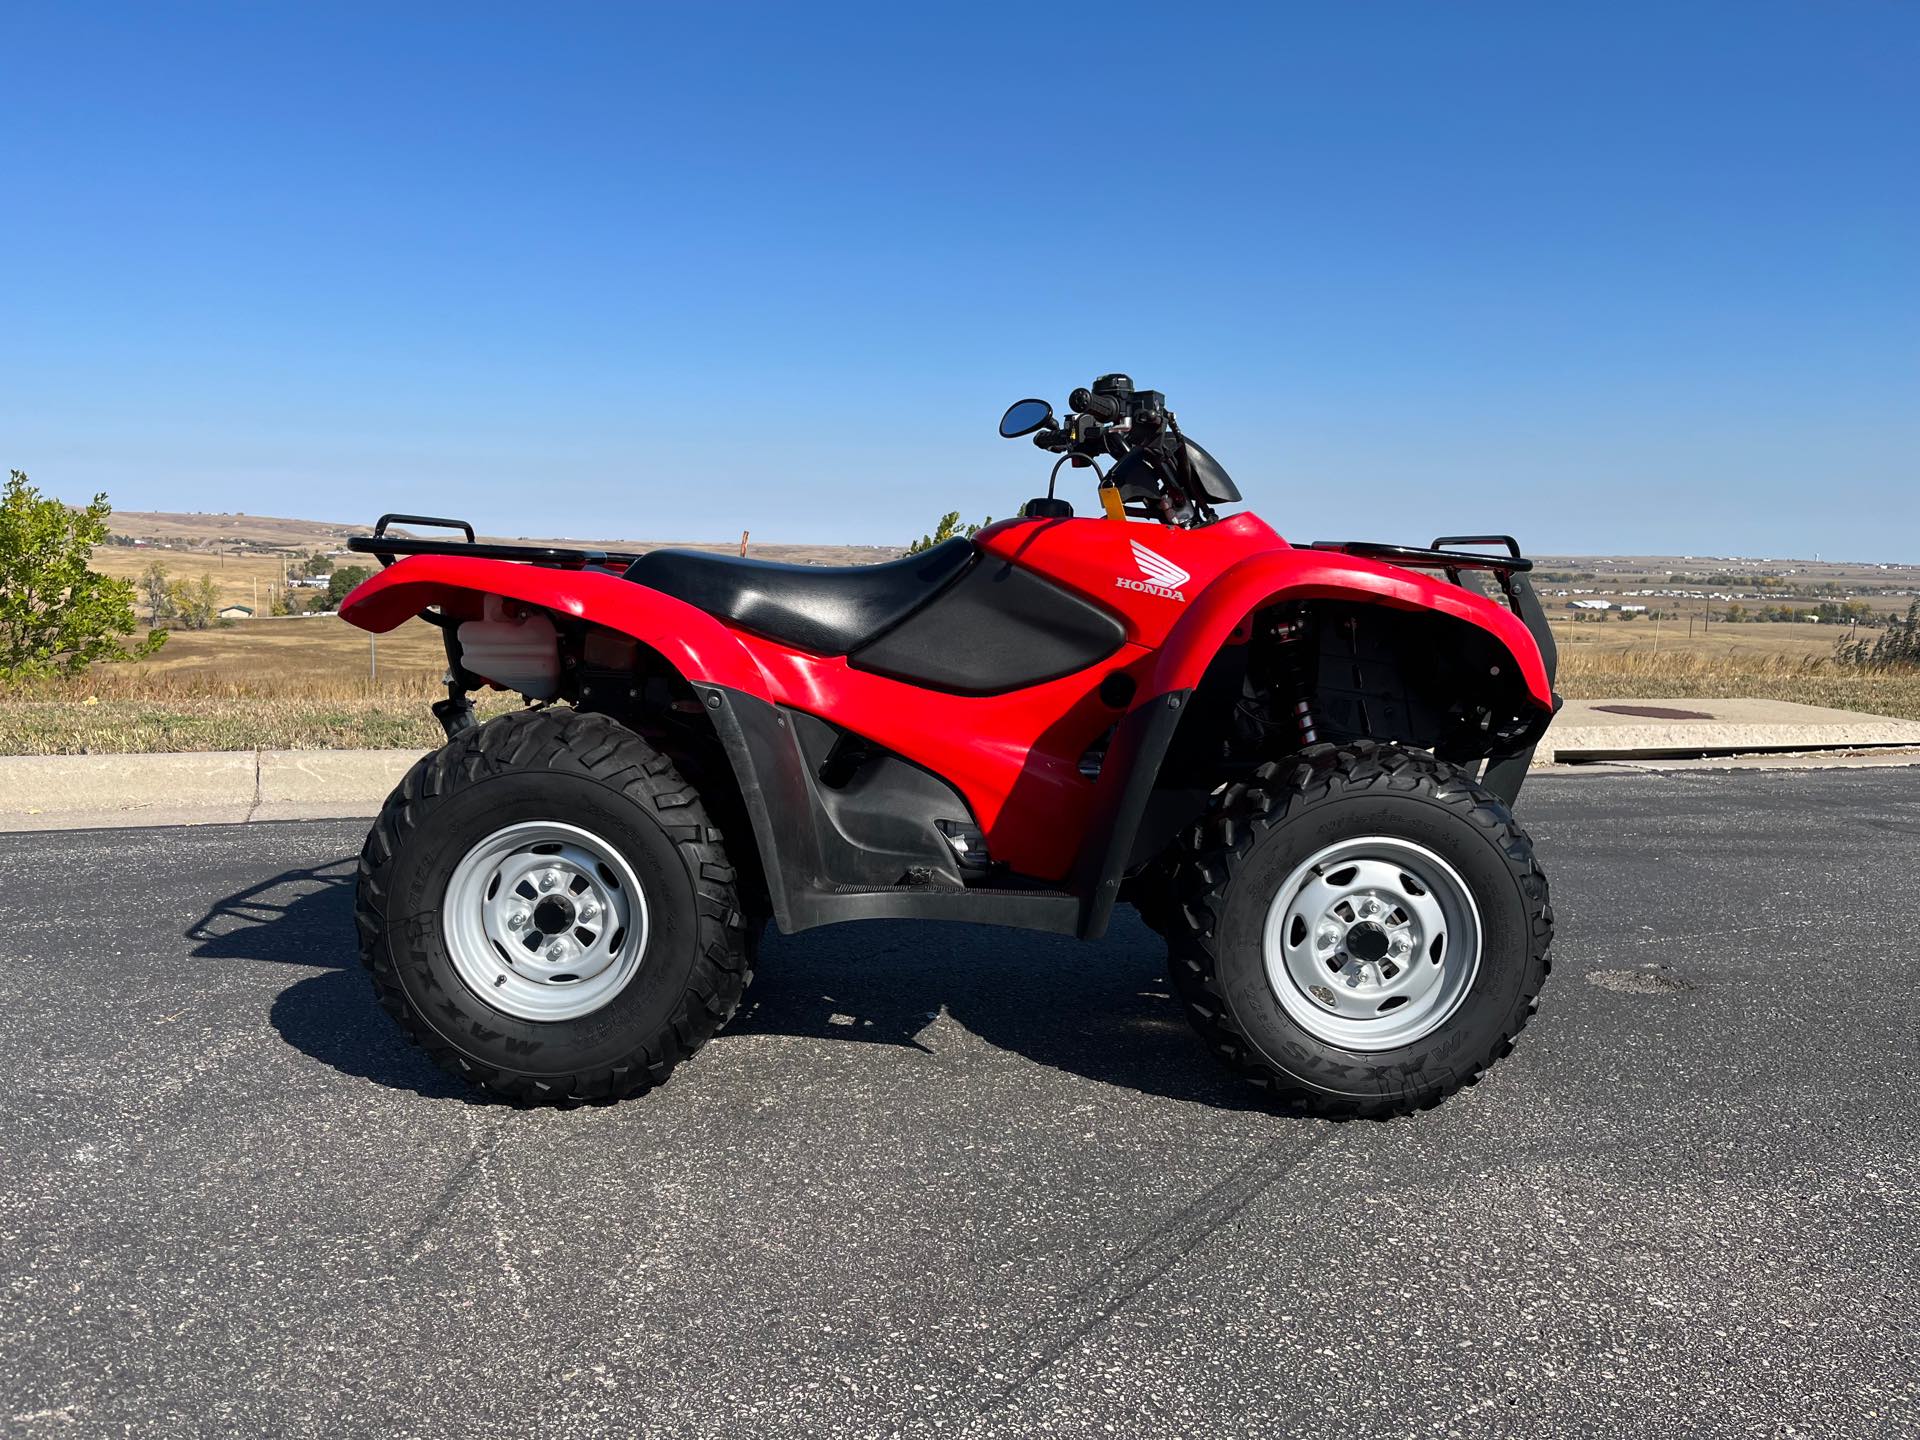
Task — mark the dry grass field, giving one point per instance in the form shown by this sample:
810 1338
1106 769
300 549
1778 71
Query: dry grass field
1642 659
1589 674
241 579
1735 643
279 684
314 655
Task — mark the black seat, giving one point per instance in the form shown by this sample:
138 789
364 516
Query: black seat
828 609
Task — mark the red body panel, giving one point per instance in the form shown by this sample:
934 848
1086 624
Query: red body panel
1234 568
693 642
1092 557
1013 756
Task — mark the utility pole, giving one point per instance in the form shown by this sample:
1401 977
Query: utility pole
373 657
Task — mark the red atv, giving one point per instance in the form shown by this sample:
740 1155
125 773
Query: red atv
1296 762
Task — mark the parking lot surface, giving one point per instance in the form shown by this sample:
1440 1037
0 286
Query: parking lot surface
947 1180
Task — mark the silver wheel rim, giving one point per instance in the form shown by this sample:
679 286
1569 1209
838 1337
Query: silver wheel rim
1372 943
545 921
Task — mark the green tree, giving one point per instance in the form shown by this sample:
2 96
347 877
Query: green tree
153 586
946 530
317 564
342 581
56 615
195 603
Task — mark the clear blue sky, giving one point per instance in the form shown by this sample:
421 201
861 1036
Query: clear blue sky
1615 277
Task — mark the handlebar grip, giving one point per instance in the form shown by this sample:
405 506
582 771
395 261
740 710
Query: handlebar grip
1100 407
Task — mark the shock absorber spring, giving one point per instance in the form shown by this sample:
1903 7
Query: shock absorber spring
1290 653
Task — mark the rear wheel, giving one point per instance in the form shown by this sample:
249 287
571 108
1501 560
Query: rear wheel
548 911
1364 929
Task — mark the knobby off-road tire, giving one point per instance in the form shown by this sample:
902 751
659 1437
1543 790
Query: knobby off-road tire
585 808
1253 946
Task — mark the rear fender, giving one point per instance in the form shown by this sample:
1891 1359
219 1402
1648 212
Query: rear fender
690 640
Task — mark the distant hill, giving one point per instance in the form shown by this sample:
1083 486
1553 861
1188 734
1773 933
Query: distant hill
200 531
196 529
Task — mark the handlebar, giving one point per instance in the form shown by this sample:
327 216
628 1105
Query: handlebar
1079 436
1154 470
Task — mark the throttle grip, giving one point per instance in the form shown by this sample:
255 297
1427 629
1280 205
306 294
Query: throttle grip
1100 407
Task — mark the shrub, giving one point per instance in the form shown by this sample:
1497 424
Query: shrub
56 615
946 530
342 581
194 604
1897 647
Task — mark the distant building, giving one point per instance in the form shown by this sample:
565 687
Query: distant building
237 612
1589 604
1633 609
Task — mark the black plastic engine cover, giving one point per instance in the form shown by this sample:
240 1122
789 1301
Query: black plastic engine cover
998 628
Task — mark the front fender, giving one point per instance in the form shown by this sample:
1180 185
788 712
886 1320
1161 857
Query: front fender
1142 740
692 641
1306 574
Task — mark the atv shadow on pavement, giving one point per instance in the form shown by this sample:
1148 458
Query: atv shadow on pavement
1102 1012
305 917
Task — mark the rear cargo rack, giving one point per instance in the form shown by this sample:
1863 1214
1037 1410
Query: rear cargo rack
386 548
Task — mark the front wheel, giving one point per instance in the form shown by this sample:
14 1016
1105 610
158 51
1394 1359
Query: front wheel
549 912
1364 929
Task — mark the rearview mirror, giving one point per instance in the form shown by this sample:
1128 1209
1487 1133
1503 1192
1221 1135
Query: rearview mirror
1023 417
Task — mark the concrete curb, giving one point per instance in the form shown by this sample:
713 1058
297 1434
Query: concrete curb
1663 729
71 792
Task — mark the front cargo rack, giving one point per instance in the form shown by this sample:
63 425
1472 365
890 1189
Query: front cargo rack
386 548
1504 773
1438 557
1510 570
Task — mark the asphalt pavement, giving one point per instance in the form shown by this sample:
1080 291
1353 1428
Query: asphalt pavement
957 1181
